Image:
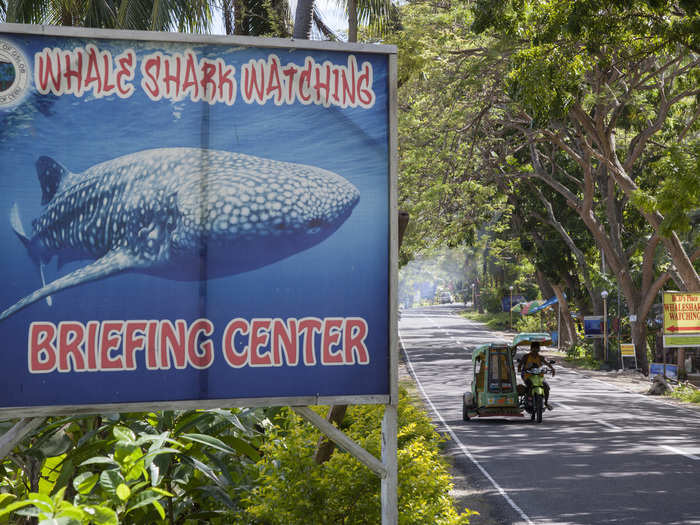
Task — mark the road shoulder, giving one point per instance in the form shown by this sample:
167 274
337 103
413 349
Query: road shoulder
628 380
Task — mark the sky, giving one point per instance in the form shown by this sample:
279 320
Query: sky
330 11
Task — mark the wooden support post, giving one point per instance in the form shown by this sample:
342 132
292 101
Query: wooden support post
681 363
390 483
17 433
342 440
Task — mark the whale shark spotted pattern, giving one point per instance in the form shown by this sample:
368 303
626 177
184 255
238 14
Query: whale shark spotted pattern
179 213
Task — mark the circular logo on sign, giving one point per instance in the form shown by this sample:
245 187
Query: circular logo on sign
14 74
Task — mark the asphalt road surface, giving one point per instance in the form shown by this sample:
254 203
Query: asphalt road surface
603 455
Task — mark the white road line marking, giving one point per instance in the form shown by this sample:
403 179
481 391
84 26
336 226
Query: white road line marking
464 449
588 394
560 404
609 425
679 451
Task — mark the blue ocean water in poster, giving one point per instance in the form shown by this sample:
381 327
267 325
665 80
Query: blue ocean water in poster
161 247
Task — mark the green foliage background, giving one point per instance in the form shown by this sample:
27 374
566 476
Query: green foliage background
243 466
292 490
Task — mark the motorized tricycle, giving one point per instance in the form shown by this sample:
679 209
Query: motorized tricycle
494 389
532 400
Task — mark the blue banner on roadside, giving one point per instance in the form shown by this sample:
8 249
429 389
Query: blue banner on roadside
657 369
507 303
549 302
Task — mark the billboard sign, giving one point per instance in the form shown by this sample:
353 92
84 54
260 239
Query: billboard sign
593 326
681 313
661 369
199 220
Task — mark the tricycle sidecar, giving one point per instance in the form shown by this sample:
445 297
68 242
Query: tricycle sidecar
493 387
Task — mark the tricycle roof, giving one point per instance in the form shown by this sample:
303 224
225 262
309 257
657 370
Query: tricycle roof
526 338
489 346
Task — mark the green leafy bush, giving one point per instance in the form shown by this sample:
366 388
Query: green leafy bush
491 299
218 467
686 392
156 467
582 355
292 489
527 323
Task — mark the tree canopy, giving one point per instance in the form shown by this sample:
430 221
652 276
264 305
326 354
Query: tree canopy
574 122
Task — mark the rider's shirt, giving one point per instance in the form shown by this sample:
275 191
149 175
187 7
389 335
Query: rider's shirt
530 361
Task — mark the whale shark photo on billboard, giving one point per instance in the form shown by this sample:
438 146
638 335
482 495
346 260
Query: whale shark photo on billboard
189 221
154 211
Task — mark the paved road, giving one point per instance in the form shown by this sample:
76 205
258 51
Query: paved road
603 455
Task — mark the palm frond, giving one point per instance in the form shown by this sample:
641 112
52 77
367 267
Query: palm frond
134 14
100 13
322 27
376 15
26 12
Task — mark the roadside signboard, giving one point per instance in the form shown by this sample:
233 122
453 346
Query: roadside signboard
627 352
657 369
682 341
593 326
681 319
194 221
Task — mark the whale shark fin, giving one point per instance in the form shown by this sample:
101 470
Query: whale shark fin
16 223
50 174
48 298
114 262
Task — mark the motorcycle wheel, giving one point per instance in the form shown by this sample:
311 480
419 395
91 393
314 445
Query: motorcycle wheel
465 414
539 405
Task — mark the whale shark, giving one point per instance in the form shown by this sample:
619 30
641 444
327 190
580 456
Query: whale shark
180 214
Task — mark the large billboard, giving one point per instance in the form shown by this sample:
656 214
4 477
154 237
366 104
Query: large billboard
192 220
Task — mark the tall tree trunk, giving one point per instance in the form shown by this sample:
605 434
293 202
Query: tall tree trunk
302 19
567 328
325 447
227 6
66 16
352 20
639 338
546 288
239 17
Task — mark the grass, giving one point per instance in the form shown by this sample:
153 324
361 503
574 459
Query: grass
584 362
499 321
686 392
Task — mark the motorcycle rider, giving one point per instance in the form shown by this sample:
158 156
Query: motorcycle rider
535 359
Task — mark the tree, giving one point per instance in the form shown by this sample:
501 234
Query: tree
171 15
577 107
609 91
256 17
378 15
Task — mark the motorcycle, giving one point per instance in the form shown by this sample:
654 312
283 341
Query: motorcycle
532 400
